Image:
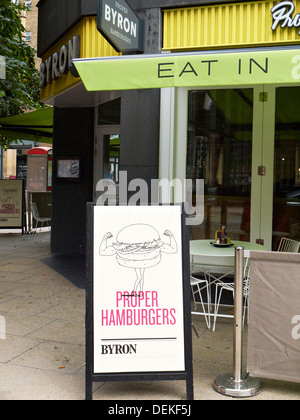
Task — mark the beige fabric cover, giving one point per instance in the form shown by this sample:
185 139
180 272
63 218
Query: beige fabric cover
274 316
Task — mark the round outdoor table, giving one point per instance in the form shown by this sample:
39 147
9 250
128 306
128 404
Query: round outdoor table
217 262
204 253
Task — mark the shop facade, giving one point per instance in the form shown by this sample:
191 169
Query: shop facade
232 117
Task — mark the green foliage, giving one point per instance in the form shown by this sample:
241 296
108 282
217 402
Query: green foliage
20 89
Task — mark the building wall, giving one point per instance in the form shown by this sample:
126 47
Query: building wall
139 146
31 25
9 163
57 16
140 111
73 136
74 128
140 115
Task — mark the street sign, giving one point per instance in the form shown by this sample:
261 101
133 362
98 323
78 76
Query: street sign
120 26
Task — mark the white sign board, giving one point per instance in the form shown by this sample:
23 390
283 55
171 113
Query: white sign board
138 321
11 203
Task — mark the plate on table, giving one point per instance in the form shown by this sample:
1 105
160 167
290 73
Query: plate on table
222 245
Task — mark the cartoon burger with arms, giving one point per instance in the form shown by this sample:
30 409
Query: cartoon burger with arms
138 246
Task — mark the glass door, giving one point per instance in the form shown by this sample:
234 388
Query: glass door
107 143
106 156
277 181
286 184
219 150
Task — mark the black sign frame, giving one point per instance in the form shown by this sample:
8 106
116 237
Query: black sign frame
139 48
90 377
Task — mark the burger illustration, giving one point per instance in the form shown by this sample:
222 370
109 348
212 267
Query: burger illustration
9 195
138 246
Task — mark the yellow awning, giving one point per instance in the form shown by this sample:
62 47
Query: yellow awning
202 68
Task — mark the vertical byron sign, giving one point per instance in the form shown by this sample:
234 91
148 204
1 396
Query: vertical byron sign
138 295
120 26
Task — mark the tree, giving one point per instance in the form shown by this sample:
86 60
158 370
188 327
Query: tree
19 91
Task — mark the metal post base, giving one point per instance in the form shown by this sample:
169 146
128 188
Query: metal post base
227 385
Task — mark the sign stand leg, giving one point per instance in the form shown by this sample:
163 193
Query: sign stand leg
236 385
189 388
88 389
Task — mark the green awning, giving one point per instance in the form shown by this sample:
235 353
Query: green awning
35 125
201 68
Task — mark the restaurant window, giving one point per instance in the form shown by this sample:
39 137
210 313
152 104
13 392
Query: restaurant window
111 153
27 36
286 201
219 150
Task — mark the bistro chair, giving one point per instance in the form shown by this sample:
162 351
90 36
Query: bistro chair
38 219
197 285
221 286
288 245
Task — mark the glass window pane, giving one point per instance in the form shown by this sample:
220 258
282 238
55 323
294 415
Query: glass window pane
219 151
111 152
286 203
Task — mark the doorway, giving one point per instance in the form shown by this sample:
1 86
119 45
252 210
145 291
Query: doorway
106 156
219 150
107 142
244 142
286 185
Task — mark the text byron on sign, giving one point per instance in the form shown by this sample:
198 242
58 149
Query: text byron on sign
120 26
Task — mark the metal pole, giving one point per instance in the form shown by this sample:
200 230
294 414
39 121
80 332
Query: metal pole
238 314
237 385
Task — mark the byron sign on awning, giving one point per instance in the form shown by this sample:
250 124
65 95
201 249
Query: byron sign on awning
120 26
214 68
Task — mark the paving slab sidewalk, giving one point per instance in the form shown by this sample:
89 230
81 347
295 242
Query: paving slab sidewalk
43 353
